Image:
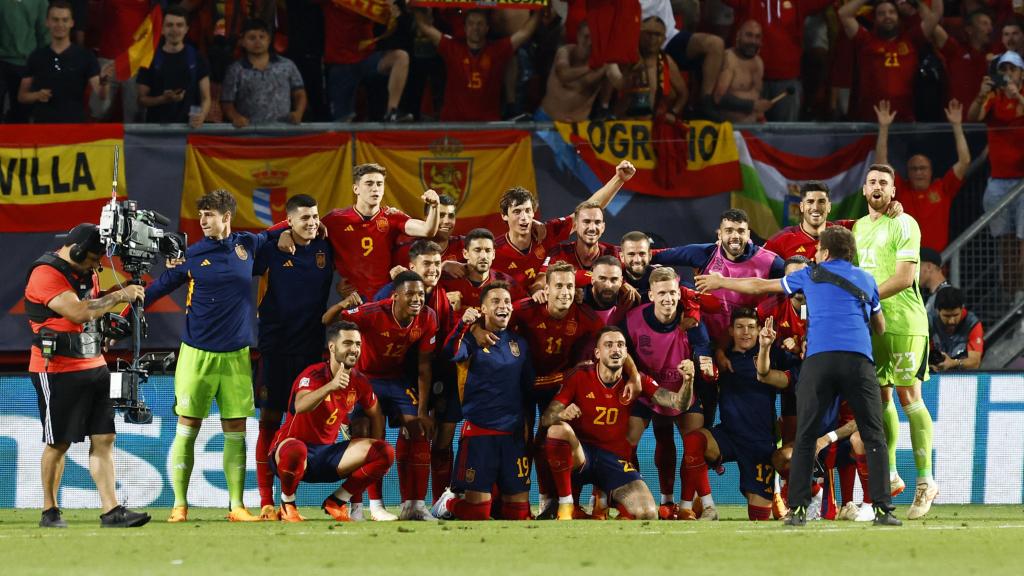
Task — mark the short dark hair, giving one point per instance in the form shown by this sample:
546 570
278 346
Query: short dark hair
969 19
557 267
424 247
254 24
363 169
949 298
445 200
514 196
477 11
60 5
407 276
477 234
794 260
839 242
337 327
609 330
607 260
743 312
494 286
176 10
883 168
299 201
635 236
220 200
1008 22
814 186
734 215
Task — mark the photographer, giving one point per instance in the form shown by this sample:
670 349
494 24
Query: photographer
958 338
1001 106
68 370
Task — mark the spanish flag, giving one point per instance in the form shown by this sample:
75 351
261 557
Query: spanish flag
53 177
262 173
474 168
145 43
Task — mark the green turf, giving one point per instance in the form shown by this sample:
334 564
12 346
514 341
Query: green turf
966 539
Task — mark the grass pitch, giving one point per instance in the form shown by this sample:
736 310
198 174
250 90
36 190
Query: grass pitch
953 539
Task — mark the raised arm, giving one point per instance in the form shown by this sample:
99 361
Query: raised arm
519 37
742 285
426 27
677 400
763 362
425 228
885 115
955 114
848 17
930 16
623 172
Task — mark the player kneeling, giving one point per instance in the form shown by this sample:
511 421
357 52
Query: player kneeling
305 449
589 424
494 382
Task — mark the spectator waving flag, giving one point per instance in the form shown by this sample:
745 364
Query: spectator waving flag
772 177
145 43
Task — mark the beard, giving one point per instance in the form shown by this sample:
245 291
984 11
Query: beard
747 51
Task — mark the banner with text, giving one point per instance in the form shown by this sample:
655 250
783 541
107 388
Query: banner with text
474 168
53 177
672 160
262 173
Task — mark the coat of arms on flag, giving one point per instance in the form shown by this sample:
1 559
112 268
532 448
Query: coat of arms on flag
445 172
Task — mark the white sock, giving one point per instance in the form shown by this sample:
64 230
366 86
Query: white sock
707 500
354 507
565 500
892 475
342 494
376 504
666 498
289 498
418 503
686 504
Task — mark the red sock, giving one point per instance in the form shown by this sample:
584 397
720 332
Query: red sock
496 502
559 459
665 458
379 459
291 465
847 472
695 469
759 512
545 482
419 468
515 510
862 473
264 476
403 457
463 510
440 469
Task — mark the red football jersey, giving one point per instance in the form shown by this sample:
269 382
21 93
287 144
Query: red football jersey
566 252
471 292
524 266
438 301
556 345
453 252
782 24
1005 128
965 68
787 321
472 91
385 342
885 71
794 241
930 207
362 246
604 418
321 425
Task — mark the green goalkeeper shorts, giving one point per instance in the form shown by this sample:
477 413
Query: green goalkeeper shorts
202 376
900 360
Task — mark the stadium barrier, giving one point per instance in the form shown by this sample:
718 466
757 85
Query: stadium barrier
978 450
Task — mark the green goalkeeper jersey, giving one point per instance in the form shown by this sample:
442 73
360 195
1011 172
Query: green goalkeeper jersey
881 244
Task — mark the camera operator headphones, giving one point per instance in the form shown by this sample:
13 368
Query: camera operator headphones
83 239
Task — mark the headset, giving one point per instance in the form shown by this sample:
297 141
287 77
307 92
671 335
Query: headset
77 254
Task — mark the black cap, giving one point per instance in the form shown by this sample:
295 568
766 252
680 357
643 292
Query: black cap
932 256
86 236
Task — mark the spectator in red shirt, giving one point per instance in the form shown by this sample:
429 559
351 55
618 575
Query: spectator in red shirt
350 55
1000 105
966 63
925 199
475 67
782 23
1012 36
887 57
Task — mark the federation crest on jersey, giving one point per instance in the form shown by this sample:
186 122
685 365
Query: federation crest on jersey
321 260
445 171
382 224
540 252
270 194
415 333
570 328
470 475
240 252
513 346
350 399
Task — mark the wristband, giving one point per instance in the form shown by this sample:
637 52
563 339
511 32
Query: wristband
833 437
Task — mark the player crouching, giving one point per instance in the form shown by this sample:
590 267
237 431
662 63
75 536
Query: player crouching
589 423
305 449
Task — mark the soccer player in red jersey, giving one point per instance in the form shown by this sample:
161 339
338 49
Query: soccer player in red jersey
606 293
363 235
476 273
927 200
451 245
392 329
887 57
588 224
517 253
588 422
306 447
475 67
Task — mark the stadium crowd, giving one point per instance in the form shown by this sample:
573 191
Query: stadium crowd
547 350
299 61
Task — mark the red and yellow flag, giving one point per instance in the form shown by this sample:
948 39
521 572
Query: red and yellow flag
474 168
478 4
145 43
377 10
262 173
53 177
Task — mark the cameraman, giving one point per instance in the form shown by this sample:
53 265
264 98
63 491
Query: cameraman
1001 106
68 370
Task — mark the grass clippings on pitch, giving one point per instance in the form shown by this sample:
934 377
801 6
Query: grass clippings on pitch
951 540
